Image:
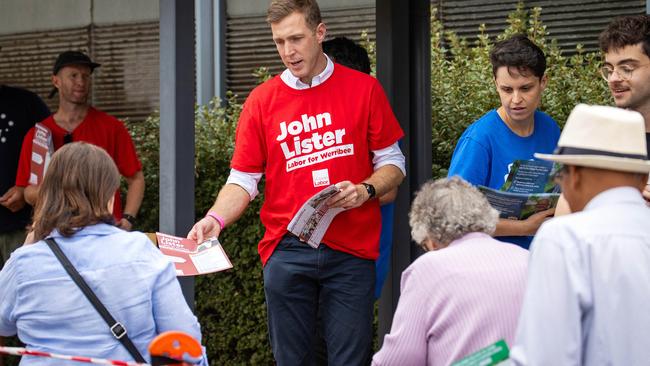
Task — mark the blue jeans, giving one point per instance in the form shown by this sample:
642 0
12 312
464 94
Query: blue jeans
298 280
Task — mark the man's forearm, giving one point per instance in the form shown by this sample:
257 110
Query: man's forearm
526 227
385 179
506 227
134 193
231 203
31 194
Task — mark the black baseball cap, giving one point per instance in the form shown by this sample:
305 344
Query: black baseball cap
73 58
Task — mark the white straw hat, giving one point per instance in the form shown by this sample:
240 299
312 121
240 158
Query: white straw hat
602 137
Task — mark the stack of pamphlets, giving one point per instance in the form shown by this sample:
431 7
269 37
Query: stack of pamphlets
42 150
314 217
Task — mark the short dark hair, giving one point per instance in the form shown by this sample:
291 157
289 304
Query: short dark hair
626 31
344 51
280 9
519 52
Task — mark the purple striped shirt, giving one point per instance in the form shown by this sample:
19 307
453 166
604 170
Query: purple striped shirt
455 301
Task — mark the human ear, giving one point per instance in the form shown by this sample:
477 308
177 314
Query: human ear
111 202
321 31
543 81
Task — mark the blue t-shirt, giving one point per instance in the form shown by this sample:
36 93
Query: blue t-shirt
488 147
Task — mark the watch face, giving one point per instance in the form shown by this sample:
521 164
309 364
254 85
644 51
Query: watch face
370 189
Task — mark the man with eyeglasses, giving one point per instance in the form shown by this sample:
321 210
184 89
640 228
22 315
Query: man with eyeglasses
76 120
626 49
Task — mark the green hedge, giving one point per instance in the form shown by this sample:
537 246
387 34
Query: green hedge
230 305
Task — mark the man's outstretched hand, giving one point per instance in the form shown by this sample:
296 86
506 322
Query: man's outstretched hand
205 228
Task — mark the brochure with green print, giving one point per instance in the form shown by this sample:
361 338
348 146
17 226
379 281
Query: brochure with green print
529 188
491 355
531 176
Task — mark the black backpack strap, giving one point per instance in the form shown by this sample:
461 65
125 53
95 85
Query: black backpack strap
117 329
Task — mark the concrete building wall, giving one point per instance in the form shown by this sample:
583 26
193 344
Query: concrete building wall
236 8
19 16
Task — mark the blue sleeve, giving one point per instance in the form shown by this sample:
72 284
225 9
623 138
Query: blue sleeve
170 311
470 161
8 298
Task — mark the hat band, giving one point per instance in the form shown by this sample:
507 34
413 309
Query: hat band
566 150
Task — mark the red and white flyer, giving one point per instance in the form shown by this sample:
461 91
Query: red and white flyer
42 150
314 217
191 258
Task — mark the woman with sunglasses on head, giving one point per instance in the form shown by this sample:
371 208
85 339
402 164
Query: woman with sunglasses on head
42 303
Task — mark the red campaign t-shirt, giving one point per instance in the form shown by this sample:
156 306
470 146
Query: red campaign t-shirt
98 128
306 140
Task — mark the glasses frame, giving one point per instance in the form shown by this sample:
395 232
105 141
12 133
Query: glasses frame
606 72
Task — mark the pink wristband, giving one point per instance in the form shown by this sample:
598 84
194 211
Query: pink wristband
216 216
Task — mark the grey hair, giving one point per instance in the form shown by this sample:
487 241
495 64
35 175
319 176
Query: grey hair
446 209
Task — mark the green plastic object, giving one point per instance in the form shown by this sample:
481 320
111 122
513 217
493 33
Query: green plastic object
488 356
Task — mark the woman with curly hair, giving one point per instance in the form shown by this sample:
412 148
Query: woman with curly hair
465 293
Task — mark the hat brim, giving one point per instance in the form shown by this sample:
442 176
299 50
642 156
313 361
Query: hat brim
601 162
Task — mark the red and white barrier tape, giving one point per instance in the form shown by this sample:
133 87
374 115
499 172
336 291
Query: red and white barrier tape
16 351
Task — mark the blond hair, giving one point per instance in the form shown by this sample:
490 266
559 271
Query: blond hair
280 9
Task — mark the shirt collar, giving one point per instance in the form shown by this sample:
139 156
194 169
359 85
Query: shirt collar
615 195
469 237
295 83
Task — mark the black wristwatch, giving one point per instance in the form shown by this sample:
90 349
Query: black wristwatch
129 218
370 189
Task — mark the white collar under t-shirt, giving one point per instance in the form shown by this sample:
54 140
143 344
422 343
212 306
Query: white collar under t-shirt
295 83
390 155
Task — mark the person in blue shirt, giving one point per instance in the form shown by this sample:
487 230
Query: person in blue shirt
41 303
514 131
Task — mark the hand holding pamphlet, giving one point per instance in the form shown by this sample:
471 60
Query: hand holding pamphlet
42 150
314 217
528 189
191 258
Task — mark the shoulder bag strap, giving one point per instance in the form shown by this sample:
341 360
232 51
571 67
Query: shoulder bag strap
117 329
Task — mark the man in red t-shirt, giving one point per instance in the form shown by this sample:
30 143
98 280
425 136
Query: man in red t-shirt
316 124
76 120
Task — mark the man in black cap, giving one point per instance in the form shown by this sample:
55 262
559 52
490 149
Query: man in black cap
76 120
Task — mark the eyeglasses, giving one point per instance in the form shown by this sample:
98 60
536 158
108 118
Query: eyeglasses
624 71
67 138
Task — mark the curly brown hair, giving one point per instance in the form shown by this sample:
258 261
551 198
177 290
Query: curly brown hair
626 31
79 183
